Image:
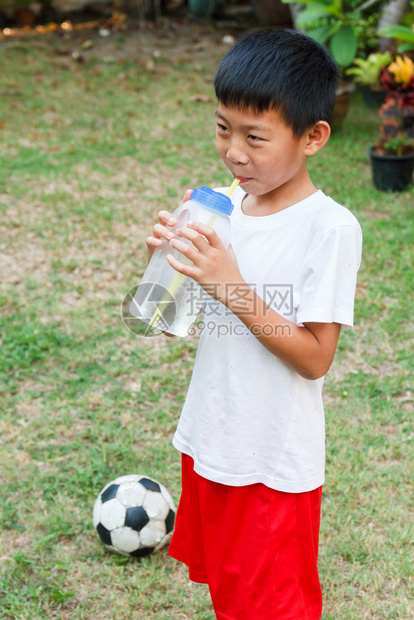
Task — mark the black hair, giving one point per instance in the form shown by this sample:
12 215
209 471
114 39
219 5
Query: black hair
279 69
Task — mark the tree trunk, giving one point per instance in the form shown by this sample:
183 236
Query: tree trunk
273 13
392 14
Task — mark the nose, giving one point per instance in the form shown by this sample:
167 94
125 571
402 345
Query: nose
235 153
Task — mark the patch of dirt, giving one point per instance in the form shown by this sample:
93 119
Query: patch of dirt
177 38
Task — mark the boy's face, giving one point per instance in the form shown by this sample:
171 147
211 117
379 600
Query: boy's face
260 150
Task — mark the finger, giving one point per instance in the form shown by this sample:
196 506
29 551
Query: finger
196 239
232 256
207 232
186 270
160 231
152 245
231 253
166 218
185 248
187 195
153 242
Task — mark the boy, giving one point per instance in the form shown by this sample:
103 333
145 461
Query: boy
251 431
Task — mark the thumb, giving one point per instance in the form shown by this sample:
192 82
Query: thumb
231 255
187 195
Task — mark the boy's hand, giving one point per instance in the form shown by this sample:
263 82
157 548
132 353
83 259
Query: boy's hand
160 230
213 266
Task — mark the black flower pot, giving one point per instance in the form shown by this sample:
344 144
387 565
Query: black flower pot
373 98
204 8
391 172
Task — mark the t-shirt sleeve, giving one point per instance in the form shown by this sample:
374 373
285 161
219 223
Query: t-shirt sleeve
327 281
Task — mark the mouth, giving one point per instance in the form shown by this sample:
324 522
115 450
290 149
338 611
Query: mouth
243 180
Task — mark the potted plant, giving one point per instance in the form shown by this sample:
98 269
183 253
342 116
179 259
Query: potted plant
392 157
204 8
346 27
404 34
366 73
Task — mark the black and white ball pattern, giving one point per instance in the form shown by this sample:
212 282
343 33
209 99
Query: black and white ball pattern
134 515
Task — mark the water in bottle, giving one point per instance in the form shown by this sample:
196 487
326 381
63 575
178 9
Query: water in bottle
167 300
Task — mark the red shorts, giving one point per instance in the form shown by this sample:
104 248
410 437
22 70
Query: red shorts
255 547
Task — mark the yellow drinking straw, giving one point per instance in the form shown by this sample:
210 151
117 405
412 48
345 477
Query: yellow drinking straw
179 279
232 187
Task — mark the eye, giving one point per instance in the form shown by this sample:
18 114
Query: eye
254 138
221 127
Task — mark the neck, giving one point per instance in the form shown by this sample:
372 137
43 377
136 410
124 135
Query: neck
277 200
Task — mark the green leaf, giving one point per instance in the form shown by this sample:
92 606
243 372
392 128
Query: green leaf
367 5
406 47
401 32
320 34
311 15
353 16
343 46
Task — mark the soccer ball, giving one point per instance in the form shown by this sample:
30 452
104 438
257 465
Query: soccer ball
134 515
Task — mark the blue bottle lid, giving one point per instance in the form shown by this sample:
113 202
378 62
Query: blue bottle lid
212 200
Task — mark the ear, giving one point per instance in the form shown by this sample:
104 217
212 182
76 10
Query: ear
318 136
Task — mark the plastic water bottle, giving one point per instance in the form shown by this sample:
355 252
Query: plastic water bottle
167 300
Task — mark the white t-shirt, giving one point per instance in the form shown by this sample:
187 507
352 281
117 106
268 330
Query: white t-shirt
249 417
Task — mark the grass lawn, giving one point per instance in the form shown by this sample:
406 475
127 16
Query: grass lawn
90 152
